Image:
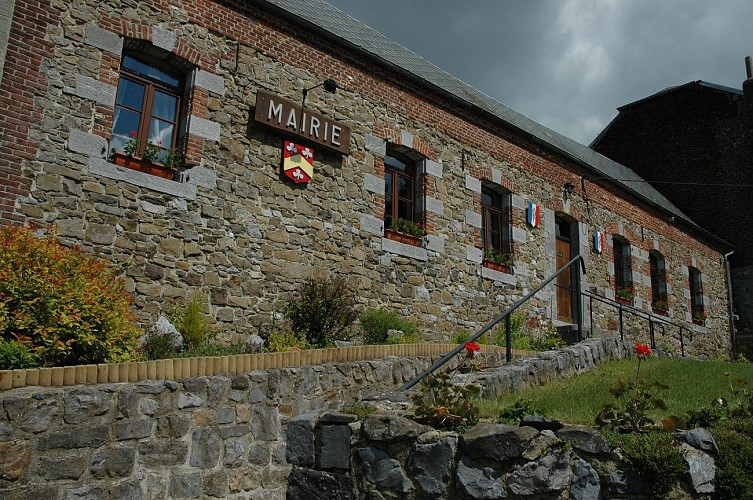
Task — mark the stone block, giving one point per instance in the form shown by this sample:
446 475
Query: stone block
375 145
93 90
432 168
478 481
134 429
14 458
498 442
373 184
163 39
86 143
410 251
77 438
301 439
431 464
315 485
392 428
205 448
549 474
701 471
474 254
406 139
113 462
700 439
185 485
498 276
161 453
372 225
202 176
100 167
210 81
202 127
103 39
265 424
382 470
585 484
335 446
472 183
585 438
130 489
235 453
472 218
434 243
68 466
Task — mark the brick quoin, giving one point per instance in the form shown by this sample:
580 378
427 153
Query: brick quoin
22 81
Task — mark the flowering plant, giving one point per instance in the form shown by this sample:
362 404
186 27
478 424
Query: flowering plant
625 292
408 227
660 305
700 316
493 255
152 152
635 400
443 404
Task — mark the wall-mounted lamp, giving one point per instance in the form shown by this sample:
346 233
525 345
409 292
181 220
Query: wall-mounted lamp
569 188
329 85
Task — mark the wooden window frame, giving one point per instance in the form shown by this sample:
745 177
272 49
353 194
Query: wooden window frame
391 209
658 277
695 284
622 263
500 210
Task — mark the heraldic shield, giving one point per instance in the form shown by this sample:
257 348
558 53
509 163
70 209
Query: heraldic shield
298 162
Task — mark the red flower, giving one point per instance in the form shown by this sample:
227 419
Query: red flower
472 346
134 133
642 351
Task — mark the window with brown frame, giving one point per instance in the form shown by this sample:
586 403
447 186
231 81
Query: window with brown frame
399 189
147 108
495 221
658 269
697 309
623 271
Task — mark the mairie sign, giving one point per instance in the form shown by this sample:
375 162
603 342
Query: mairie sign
303 122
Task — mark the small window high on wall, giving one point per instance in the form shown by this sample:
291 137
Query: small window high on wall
696 295
623 271
147 109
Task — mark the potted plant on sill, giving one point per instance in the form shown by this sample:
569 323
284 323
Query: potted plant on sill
147 161
405 231
660 307
498 261
699 317
624 295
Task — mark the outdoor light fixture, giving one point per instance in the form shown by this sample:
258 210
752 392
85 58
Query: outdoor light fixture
329 85
569 188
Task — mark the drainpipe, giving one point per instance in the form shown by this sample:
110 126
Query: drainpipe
731 310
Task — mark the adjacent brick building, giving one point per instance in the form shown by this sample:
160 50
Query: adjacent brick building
384 136
693 144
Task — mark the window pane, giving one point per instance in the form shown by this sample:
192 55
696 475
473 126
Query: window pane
391 161
405 209
150 71
495 222
130 94
124 122
161 133
388 182
165 106
404 187
387 210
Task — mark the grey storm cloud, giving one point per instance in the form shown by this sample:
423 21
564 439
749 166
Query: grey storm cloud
568 64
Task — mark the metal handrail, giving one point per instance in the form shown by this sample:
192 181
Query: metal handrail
652 319
506 316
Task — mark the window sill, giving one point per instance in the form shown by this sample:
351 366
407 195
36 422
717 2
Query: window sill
497 276
403 238
103 168
502 268
660 312
147 167
406 250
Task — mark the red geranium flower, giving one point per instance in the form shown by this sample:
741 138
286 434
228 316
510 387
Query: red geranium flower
642 351
134 133
472 346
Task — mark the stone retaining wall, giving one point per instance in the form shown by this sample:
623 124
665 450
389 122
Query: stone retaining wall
222 436
386 456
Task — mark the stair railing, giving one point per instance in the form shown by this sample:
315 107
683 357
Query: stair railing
506 316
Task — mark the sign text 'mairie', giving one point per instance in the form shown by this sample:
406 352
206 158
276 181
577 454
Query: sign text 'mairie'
285 115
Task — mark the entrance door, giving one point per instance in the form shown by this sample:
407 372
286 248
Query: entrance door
564 280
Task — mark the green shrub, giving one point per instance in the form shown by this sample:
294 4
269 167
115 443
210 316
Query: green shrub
15 355
375 323
322 310
655 456
208 349
529 334
157 346
283 340
195 328
67 306
361 410
514 414
734 438
462 337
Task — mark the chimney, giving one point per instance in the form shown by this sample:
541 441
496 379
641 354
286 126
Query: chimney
748 83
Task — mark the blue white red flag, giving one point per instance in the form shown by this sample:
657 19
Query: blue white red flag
534 214
599 241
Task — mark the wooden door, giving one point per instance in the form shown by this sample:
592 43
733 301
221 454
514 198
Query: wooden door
564 283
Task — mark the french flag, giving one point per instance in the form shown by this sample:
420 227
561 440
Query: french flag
599 241
534 214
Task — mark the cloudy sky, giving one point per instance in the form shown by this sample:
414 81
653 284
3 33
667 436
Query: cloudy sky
568 64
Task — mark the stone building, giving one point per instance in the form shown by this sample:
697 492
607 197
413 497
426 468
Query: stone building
305 137
700 133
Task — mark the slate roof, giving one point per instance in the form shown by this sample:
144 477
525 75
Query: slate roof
332 23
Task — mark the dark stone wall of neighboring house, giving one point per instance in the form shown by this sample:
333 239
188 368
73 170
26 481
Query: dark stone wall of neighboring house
694 141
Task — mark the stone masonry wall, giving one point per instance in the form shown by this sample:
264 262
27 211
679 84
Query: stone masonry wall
216 436
232 228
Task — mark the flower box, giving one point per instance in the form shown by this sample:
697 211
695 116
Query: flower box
660 312
700 322
502 268
407 239
136 163
622 300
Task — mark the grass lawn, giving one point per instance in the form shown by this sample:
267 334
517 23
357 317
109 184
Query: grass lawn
577 400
